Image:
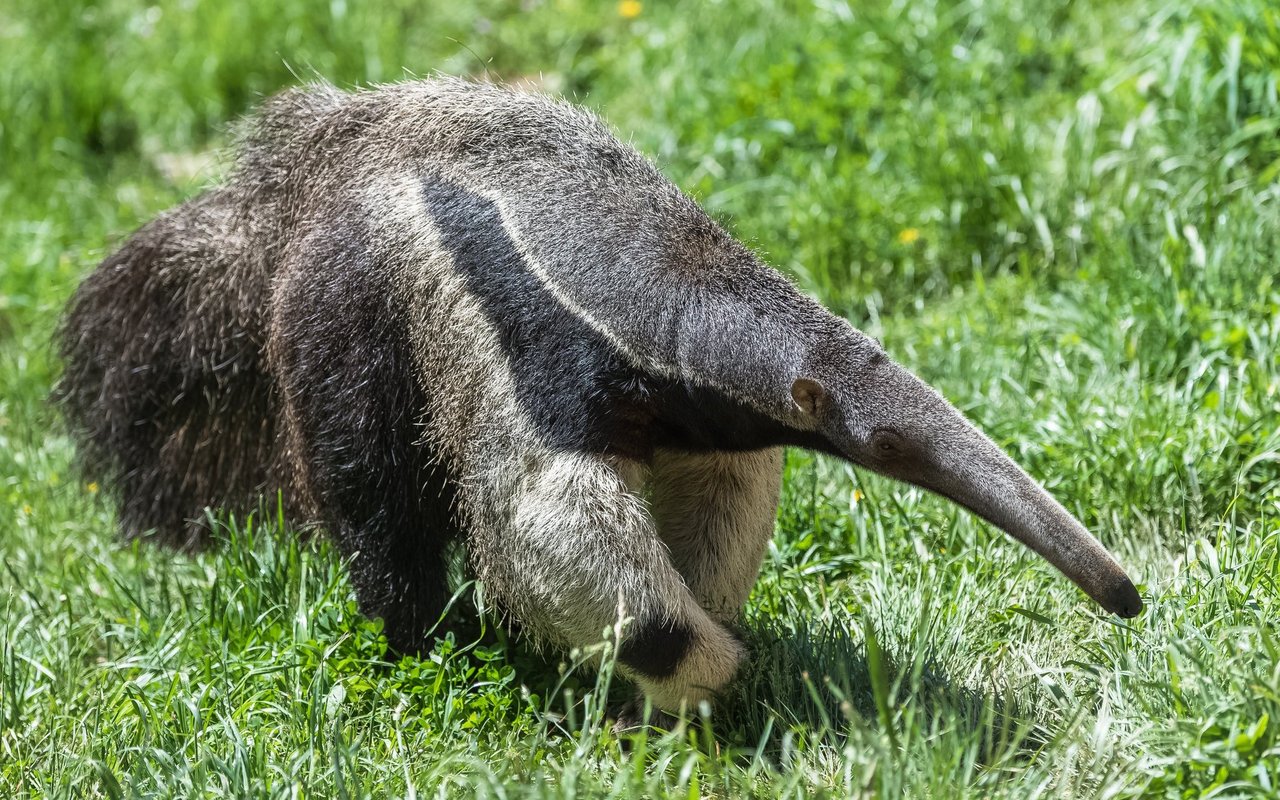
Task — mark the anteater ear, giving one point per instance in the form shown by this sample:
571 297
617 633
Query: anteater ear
809 396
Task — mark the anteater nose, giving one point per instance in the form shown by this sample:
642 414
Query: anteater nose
1123 599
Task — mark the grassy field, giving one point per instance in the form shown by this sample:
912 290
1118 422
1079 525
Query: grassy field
1064 215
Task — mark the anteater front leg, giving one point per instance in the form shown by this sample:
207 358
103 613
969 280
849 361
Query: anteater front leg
716 512
579 552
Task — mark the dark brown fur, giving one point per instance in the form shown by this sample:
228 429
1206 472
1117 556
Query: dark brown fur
194 379
164 386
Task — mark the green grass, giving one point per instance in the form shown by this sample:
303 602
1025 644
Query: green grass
1064 215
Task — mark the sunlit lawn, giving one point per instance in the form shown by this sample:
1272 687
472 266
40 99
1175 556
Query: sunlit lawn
1063 215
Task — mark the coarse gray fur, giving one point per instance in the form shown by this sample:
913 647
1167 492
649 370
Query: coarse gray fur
444 313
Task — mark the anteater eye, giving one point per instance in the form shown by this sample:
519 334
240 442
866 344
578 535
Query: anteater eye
886 442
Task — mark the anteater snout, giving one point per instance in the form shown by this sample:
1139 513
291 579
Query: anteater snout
1123 600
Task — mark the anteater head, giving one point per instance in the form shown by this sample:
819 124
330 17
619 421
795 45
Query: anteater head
880 416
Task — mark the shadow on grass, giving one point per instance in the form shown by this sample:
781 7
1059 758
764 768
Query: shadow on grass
815 683
807 679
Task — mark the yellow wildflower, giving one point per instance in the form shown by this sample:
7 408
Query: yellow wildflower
92 486
857 496
630 9
908 236
26 509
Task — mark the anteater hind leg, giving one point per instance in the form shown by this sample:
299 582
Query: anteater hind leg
716 512
353 412
394 542
576 552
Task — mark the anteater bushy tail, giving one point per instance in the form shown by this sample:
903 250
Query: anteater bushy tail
164 388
